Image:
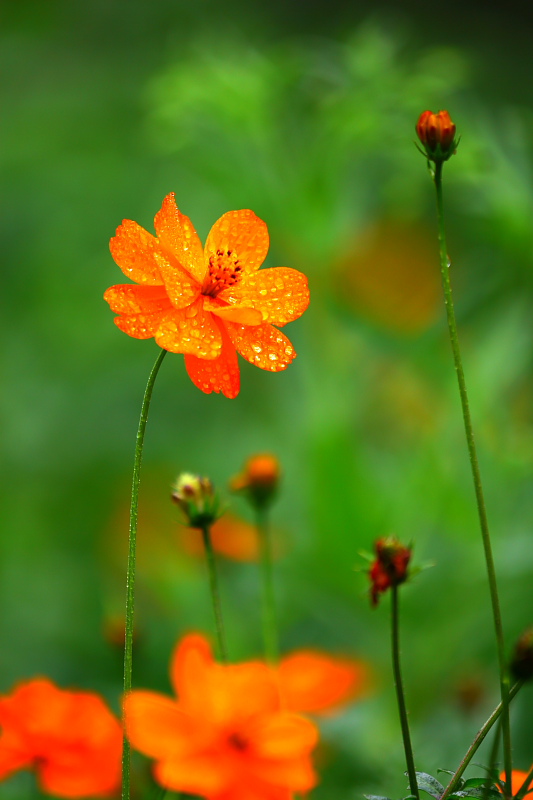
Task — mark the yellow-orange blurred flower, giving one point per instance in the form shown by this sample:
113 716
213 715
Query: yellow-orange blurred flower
71 739
227 736
518 777
259 478
207 303
231 537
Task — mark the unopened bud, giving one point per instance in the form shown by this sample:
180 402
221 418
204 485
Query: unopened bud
197 499
389 568
437 135
259 479
522 660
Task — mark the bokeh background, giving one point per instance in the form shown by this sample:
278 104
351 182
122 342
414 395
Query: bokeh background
305 113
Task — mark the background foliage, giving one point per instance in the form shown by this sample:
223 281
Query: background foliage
305 114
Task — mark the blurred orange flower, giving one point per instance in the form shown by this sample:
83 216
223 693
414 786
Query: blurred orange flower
71 739
208 303
227 736
231 537
517 779
317 683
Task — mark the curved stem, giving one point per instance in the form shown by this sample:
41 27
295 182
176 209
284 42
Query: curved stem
215 595
270 628
132 553
395 628
476 743
476 475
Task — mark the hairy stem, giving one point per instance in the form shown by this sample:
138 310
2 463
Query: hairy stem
269 617
132 554
480 736
395 640
476 475
215 595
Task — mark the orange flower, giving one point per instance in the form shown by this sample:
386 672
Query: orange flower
227 736
207 303
259 479
71 739
517 779
314 682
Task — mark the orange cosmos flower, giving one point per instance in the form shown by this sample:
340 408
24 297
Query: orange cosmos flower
227 736
71 739
207 303
517 779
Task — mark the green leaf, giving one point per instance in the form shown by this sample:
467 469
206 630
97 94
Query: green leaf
477 782
429 784
375 797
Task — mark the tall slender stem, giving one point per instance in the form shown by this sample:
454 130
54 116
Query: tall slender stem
132 554
491 573
480 736
269 617
395 630
215 595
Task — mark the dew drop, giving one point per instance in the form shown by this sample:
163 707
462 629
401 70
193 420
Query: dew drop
191 311
257 348
272 356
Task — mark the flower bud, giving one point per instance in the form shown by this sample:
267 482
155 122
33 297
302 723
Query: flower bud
389 568
522 660
197 499
437 135
259 479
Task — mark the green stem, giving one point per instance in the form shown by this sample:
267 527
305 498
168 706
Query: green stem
395 626
269 617
523 789
480 736
485 535
215 596
132 552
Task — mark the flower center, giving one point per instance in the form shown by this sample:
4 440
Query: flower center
224 271
237 742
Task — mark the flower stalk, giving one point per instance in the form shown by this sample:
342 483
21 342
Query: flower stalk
215 594
476 475
132 558
269 616
404 722
480 736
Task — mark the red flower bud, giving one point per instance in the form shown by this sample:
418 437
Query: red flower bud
389 568
259 479
437 134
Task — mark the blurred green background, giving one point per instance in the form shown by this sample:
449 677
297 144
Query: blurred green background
305 113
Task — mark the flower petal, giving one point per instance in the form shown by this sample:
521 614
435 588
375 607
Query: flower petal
241 233
218 375
192 656
142 326
155 725
296 773
311 681
282 735
242 314
205 775
129 298
133 249
281 294
190 330
262 345
177 236
182 289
